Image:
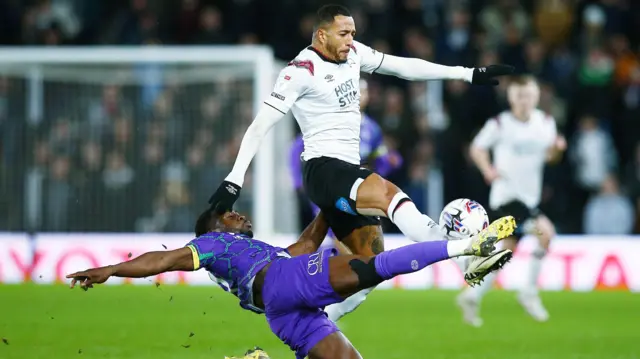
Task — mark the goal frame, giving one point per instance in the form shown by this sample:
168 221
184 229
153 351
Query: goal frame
259 56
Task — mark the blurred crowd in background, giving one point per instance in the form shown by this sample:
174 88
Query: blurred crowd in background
167 147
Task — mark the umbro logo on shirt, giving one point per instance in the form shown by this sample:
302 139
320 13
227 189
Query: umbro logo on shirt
329 78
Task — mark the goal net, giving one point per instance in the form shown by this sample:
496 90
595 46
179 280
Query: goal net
135 139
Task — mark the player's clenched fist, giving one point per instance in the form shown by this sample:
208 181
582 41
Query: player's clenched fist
224 197
486 75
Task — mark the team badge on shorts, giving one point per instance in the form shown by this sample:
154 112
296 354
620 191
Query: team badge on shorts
343 205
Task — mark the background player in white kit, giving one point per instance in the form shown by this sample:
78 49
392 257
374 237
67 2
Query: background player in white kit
522 139
321 88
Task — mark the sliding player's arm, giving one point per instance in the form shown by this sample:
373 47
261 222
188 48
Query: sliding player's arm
480 147
311 238
148 264
290 85
415 69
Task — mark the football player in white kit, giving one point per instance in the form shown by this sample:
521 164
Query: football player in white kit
321 88
523 139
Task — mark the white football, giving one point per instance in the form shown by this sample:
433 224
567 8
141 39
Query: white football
462 218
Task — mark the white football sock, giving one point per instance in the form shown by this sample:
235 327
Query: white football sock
456 248
535 265
339 310
413 224
479 291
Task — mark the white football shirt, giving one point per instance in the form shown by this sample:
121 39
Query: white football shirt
519 155
324 97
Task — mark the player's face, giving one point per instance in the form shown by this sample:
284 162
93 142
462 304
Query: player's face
339 37
233 221
524 98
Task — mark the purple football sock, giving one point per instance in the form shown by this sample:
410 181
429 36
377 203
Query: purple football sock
409 259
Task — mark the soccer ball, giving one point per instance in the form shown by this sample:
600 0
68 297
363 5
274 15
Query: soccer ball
463 218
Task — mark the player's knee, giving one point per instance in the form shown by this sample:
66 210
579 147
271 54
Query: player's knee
366 271
375 190
377 193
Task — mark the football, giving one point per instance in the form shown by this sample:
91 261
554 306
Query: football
462 218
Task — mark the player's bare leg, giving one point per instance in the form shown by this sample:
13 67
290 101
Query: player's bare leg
367 241
379 197
336 346
469 300
529 297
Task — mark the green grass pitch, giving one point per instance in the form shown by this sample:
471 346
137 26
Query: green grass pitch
202 322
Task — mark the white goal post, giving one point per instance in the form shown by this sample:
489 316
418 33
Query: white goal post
32 66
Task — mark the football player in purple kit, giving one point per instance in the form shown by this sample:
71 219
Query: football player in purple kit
292 285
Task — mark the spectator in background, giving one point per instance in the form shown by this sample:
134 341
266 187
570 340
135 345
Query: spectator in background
211 31
178 199
592 154
454 45
50 22
553 20
553 104
101 112
626 61
187 20
607 207
150 76
118 178
503 18
632 183
593 34
595 76
59 194
88 189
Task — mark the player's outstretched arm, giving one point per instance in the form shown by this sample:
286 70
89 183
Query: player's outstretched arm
420 70
291 84
311 238
148 264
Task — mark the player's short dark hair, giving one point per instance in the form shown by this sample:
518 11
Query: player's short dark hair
204 222
327 13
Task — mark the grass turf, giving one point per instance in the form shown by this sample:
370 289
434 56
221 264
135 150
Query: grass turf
203 322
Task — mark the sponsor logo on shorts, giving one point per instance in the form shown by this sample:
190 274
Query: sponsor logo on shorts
414 264
314 266
277 95
343 205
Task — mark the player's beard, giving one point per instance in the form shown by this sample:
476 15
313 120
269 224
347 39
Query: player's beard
334 51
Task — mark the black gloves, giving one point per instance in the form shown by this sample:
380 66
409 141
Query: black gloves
224 197
485 75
